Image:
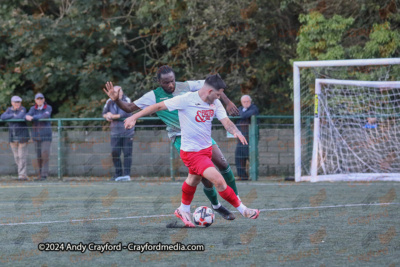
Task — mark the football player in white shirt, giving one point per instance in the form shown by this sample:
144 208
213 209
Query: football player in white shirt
196 111
169 88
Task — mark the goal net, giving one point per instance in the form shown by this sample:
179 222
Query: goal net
349 130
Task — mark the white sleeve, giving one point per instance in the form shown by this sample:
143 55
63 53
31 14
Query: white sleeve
220 111
146 100
195 85
177 102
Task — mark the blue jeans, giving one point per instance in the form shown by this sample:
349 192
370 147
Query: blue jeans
119 145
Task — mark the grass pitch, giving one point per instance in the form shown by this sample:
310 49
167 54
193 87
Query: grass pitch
301 224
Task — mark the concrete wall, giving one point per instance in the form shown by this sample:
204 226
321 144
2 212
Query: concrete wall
88 153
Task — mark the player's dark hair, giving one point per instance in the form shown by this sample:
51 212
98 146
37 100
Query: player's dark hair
165 69
215 81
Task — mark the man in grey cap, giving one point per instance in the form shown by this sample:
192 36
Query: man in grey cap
41 134
18 135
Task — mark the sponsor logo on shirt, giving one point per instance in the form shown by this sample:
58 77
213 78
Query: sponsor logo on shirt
164 98
204 115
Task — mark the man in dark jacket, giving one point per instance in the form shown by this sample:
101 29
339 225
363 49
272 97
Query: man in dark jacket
121 138
41 134
242 151
18 135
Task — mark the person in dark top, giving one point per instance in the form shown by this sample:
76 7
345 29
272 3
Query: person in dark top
242 151
41 134
121 138
18 135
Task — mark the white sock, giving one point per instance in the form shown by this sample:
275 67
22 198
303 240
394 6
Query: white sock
241 208
216 206
185 208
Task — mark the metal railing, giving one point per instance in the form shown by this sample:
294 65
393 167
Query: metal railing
253 139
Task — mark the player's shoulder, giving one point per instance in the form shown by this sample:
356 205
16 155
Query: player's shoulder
217 102
190 96
151 93
184 95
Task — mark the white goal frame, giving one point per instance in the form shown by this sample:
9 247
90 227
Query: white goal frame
314 163
297 111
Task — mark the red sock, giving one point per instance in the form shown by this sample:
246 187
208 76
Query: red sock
187 193
229 195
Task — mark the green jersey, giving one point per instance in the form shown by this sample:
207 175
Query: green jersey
170 118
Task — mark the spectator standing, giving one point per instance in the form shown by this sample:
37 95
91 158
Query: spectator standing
121 138
41 134
18 135
242 150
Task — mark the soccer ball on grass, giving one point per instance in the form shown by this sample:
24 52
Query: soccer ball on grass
203 216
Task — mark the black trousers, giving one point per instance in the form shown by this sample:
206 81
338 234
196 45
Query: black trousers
43 154
241 157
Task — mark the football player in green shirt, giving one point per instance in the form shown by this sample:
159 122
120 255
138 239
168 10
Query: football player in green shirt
168 89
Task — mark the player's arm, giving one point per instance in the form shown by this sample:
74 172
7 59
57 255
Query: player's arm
125 106
231 128
230 106
131 121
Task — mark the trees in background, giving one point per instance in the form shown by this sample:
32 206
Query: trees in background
68 49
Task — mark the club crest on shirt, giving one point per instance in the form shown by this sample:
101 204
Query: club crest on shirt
204 115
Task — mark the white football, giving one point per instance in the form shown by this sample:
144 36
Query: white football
203 216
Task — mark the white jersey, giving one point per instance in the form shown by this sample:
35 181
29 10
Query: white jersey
195 118
181 88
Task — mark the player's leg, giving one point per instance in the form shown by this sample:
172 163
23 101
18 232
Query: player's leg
188 190
223 166
227 193
211 193
209 190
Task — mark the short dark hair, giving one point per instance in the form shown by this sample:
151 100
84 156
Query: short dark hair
215 81
165 69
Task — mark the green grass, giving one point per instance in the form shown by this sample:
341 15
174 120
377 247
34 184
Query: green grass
301 224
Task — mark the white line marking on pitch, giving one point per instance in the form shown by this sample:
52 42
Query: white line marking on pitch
171 215
146 183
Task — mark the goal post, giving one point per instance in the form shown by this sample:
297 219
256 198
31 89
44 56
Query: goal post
305 124
345 143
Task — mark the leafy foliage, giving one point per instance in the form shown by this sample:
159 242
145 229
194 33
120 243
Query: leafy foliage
68 49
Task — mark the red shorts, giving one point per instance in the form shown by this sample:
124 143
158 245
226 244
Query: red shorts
197 162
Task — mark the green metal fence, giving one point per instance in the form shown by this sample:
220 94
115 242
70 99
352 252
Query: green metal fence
263 135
